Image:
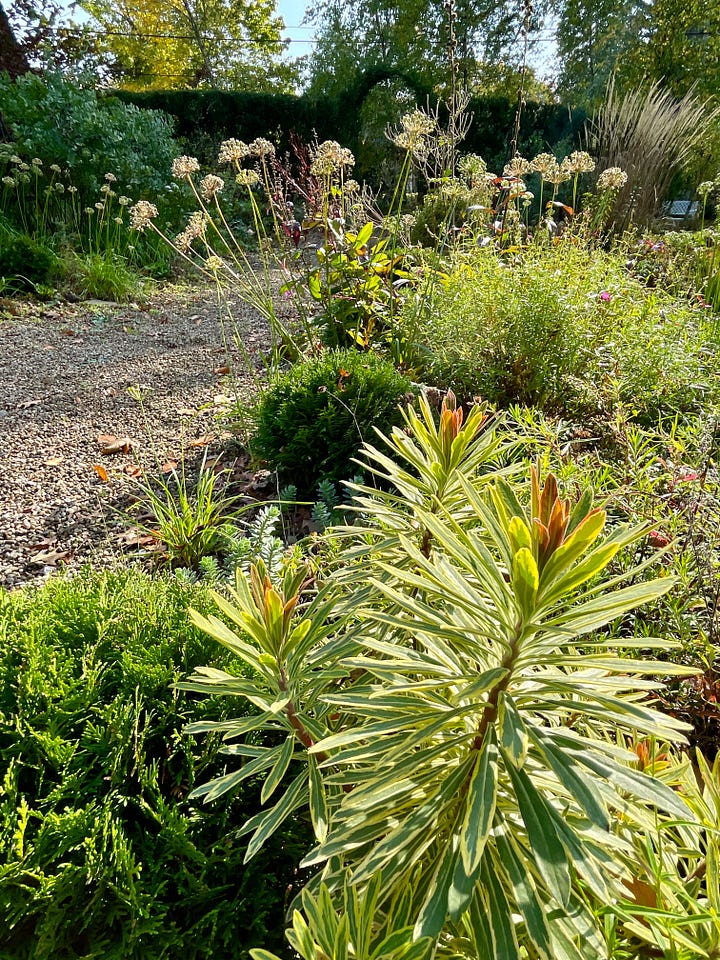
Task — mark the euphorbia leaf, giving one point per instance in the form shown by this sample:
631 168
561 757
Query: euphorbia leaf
548 852
513 735
525 580
479 805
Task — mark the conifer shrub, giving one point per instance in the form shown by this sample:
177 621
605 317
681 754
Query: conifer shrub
313 419
101 853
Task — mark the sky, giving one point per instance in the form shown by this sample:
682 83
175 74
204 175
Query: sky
292 12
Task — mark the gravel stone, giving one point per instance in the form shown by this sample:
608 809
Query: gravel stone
65 371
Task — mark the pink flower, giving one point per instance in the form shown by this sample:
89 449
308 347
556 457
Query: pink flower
605 296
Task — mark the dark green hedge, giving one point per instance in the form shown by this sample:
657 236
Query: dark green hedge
205 117
101 853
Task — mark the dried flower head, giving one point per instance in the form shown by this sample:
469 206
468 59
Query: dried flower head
196 226
141 215
352 186
329 158
23 166
705 189
15 159
60 188
89 211
579 161
517 167
9 182
233 151
36 162
247 178
261 148
183 167
124 201
99 205
416 127
214 264
210 186
106 188
72 189
117 219
111 178
544 163
612 179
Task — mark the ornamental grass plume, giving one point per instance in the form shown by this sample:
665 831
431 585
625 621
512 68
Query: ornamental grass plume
652 136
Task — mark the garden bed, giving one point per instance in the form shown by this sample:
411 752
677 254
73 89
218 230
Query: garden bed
64 383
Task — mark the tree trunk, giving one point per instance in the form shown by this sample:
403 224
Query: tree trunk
12 56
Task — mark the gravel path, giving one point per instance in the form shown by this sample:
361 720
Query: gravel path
65 371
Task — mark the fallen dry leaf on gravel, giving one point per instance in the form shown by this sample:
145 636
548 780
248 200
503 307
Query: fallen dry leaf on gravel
202 441
49 558
101 472
110 445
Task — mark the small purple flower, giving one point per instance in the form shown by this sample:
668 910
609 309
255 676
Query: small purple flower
605 296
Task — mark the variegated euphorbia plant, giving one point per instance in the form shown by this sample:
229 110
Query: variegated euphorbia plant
454 717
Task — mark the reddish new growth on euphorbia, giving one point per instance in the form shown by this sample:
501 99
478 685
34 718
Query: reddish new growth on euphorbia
551 516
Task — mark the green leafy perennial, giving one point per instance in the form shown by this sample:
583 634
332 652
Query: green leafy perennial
449 710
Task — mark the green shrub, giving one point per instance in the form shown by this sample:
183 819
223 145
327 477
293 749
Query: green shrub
101 853
563 327
313 419
62 122
25 263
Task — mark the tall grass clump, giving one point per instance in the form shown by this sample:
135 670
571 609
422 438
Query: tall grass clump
651 135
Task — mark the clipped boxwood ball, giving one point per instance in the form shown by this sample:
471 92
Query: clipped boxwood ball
313 420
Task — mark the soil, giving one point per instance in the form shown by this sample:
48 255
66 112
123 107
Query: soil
94 393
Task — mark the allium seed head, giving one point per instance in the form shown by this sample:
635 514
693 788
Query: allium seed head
579 161
517 167
329 158
612 179
183 167
141 215
247 178
233 151
261 148
210 185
